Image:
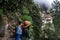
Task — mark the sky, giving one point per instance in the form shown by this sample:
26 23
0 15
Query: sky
47 2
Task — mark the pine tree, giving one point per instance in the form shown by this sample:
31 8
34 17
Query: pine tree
56 17
36 22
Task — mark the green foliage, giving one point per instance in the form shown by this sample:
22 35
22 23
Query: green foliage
30 13
36 18
48 32
25 11
1 11
56 18
56 13
25 17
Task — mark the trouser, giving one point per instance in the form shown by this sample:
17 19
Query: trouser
17 37
27 33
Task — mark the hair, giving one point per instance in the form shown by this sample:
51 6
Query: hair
27 23
19 22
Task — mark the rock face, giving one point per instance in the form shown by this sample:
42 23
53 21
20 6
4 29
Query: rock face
6 28
4 32
1 27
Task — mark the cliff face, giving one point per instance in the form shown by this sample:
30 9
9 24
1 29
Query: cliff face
1 23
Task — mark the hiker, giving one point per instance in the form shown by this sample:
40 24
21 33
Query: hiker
26 34
18 31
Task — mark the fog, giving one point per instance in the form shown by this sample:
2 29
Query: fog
48 3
